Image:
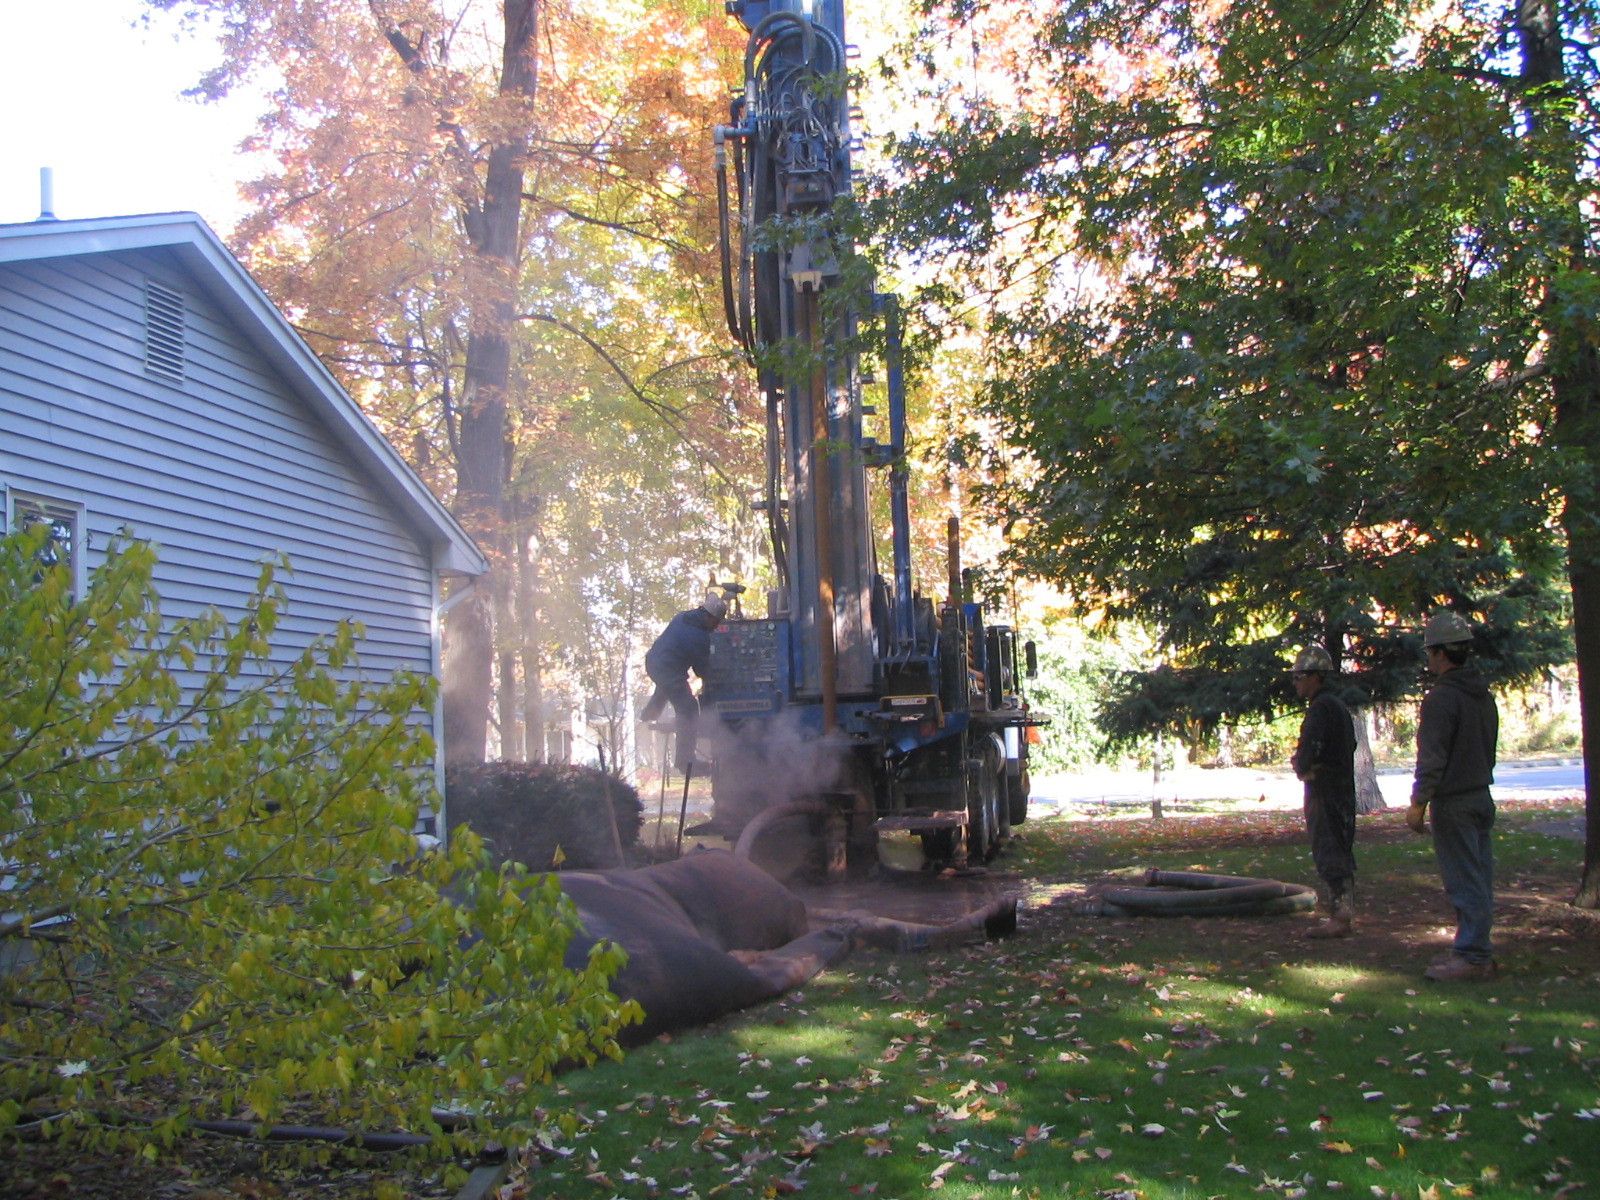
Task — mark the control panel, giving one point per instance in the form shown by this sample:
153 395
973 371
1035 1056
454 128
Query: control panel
749 668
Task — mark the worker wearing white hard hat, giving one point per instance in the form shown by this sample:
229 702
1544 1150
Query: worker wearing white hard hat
684 646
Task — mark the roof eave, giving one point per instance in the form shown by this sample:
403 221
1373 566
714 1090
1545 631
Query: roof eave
188 237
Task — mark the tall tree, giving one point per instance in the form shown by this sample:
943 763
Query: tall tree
409 119
424 147
1294 321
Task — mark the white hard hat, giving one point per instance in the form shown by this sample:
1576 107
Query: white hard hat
715 604
1313 660
1446 629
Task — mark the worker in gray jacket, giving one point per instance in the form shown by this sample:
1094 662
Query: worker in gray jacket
1456 738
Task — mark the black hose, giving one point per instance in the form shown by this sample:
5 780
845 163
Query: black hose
764 29
725 246
253 1130
808 806
315 1133
746 244
1198 894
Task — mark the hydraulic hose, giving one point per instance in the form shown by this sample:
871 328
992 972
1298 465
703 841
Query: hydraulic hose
1198 894
316 1133
725 244
746 245
764 31
771 815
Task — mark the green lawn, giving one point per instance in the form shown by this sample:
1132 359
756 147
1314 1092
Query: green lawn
1096 1057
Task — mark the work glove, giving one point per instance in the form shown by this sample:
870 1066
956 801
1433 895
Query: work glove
1417 817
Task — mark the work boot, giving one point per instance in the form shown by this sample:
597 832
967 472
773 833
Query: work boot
1337 923
1334 925
1456 969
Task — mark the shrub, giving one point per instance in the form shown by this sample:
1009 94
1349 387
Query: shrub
203 915
543 815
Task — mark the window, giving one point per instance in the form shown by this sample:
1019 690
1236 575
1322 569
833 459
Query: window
65 544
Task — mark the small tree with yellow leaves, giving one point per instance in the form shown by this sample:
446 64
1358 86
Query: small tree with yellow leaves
214 902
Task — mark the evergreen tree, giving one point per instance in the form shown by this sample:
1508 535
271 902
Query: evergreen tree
1294 327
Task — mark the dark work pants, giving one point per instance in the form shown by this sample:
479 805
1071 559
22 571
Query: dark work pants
1462 845
684 706
1332 825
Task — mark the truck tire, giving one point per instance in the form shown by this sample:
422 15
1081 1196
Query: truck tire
1017 788
983 812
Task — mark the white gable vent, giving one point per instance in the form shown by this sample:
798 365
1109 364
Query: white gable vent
163 331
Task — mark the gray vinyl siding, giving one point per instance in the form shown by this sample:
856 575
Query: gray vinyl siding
220 471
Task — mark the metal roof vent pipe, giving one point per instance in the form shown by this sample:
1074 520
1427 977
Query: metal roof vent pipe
47 194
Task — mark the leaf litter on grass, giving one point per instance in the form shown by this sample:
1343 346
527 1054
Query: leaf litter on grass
1047 1065
1036 1066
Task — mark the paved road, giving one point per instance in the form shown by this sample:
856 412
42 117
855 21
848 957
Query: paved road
1101 788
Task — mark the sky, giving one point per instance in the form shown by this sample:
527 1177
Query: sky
98 100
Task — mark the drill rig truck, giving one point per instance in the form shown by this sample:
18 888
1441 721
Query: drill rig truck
858 704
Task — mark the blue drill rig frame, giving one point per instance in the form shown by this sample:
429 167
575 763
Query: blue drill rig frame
909 710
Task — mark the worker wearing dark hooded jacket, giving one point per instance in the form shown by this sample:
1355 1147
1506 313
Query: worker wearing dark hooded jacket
684 646
1324 760
1456 738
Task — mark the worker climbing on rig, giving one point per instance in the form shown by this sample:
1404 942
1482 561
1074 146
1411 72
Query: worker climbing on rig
684 646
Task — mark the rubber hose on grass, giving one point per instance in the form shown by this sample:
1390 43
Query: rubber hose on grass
1198 894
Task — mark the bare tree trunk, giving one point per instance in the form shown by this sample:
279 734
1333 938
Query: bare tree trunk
494 228
513 745
1576 384
519 645
1156 810
626 721
1586 622
618 859
1369 796
480 472
528 637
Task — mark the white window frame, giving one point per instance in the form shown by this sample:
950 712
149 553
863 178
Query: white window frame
58 510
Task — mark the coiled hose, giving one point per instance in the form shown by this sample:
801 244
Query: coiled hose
1197 894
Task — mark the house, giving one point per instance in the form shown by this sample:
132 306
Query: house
147 383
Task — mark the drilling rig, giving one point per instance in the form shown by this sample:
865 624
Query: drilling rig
865 705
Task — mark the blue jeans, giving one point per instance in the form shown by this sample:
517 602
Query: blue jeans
1461 843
